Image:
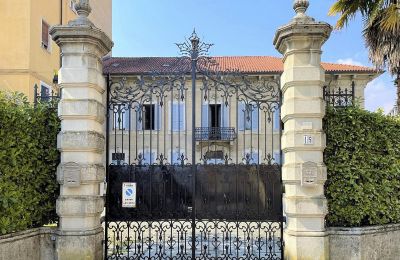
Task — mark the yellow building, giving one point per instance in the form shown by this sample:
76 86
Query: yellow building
28 56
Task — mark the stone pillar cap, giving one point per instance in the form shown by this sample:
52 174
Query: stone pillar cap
303 25
69 34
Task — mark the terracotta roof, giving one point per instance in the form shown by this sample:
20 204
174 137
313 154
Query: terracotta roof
245 64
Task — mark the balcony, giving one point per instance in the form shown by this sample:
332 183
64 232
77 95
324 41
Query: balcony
215 134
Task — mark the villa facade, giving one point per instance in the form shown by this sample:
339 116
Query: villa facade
231 126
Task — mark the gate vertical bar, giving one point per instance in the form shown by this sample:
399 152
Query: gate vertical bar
195 42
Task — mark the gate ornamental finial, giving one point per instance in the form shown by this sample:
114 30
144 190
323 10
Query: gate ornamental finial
300 7
83 9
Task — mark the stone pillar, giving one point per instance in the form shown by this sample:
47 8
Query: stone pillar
303 139
82 137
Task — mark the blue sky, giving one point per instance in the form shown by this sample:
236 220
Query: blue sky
236 27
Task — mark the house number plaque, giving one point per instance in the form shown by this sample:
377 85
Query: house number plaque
308 140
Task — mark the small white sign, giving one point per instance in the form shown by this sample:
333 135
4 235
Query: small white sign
308 140
129 194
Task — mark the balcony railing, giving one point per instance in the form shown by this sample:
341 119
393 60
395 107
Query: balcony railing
340 97
215 133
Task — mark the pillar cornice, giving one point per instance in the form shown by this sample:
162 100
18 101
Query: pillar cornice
318 32
63 34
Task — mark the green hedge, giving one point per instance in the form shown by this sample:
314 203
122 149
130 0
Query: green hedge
28 161
363 160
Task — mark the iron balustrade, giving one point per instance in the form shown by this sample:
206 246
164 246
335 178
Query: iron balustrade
50 97
215 134
340 97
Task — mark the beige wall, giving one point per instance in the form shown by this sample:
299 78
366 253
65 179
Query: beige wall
262 140
23 61
164 140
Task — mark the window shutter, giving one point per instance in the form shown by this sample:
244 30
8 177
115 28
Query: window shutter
174 117
139 119
277 120
157 117
125 119
254 118
225 115
116 119
45 34
241 116
204 115
182 116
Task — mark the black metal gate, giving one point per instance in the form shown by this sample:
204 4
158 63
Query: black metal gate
202 164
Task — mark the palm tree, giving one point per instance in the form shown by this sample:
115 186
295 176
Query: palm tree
381 31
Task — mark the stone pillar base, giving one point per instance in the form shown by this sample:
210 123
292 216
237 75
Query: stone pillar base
306 245
81 245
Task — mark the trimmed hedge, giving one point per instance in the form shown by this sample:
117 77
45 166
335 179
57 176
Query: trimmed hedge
28 161
363 160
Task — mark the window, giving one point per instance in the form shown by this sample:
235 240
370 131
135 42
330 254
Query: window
149 117
117 158
44 92
45 35
248 117
214 115
121 120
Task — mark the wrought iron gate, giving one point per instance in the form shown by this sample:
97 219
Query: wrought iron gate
206 162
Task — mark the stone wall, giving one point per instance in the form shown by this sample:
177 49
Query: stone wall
33 244
376 242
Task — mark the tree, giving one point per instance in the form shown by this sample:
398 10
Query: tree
381 31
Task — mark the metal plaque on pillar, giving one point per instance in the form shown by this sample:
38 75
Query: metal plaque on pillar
72 174
309 174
